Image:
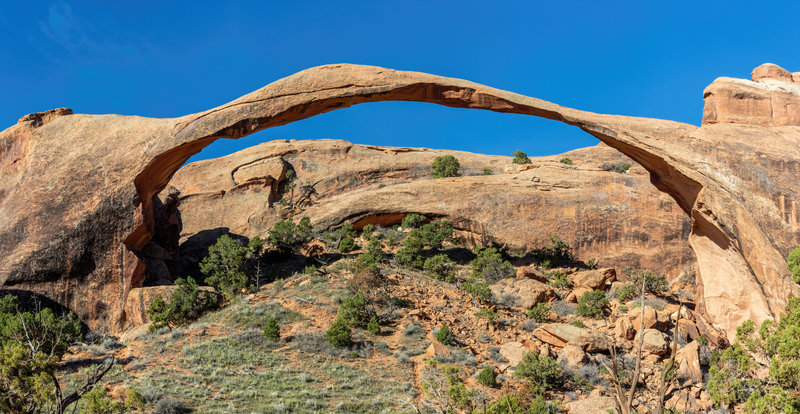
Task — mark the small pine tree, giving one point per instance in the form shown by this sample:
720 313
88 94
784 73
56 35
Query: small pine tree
520 157
339 334
272 330
592 304
488 377
445 166
444 336
373 326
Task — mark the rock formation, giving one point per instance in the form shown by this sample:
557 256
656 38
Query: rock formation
77 191
620 218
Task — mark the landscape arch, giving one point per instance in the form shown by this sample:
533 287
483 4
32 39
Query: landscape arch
739 240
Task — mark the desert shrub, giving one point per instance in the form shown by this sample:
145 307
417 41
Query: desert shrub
490 265
793 263
410 255
566 161
592 304
559 280
563 308
285 234
520 158
413 330
434 234
479 289
487 377
488 314
339 334
540 313
373 326
625 293
520 403
619 167
367 231
187 303
412 221
346 245
444 336
371 258
653 283
578 323
542 372
486 171
353 310
272 330
224 265
445 166
169 405
556 253
440 267
775 400
729 381
97 401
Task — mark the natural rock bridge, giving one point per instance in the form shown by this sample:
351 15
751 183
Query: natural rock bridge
77 191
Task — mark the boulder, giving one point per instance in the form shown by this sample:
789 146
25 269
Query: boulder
572 356
591 405
562 334
594 279
624 328
437 349
575 295
513 352
653 319
521 293
531 272
655 342
688 360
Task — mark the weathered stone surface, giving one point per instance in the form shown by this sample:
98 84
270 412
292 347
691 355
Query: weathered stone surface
594 279
437 349
513 352
521 293
591 405
688 360
77 195
572 356
654 343
600 214
653 319
562 334
624 328
531 272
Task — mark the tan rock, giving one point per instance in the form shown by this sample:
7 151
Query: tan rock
688 360
521 293
624 328
572 356
575 295
87 217
531 272
513 352
655 342
561 334
594 279
437 349
653 319
591 405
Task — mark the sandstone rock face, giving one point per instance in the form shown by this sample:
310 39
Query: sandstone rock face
654 343
591 405
619 217
594 279
78 205
572 356
513 352
688 359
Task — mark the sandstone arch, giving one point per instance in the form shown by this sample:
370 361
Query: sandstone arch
76 194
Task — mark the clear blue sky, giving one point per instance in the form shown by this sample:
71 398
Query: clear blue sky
170 58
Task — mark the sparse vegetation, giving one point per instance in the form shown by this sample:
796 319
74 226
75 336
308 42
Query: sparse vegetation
540 312
224 266
520 158
444 336
445 166
486 171
566 161
619 167
440 267
489 265
592 304
542 372
413 221
272 330
488 377
187 303
339 334
285 235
